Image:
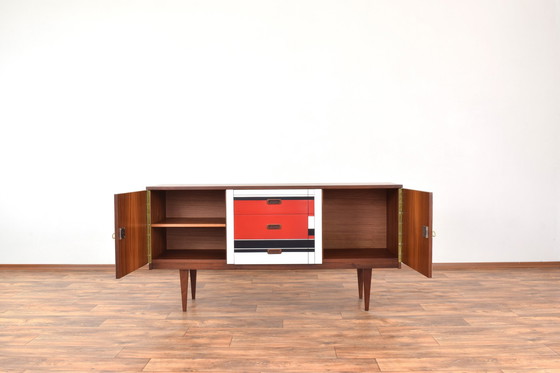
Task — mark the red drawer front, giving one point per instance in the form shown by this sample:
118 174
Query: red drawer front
273 206
270 227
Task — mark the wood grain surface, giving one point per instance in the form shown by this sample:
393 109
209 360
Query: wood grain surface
354 220
195 204
277 186
468 320
131 250
416 246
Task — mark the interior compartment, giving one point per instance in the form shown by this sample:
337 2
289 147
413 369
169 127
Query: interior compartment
360 223
184 221
196 239
195 204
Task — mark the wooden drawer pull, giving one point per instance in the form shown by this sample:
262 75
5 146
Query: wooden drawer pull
274 226
274 251
274 201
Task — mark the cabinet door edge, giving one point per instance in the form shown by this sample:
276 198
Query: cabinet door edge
131 237
417 230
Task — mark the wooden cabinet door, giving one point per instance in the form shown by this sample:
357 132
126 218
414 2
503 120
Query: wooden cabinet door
131 238
417 230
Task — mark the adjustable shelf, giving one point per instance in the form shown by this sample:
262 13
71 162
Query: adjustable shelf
191 223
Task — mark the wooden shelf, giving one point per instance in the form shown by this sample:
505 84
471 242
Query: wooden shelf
191 223
360 258
358 254
330 254
205 258
219 255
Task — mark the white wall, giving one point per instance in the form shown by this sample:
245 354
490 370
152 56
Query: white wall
461 98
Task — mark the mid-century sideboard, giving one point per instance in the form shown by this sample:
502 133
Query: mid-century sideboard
282 226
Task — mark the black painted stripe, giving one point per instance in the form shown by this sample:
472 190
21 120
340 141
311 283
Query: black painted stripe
265 250
272 244
311 232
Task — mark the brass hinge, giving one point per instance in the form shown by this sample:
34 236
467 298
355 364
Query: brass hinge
400 229
149 226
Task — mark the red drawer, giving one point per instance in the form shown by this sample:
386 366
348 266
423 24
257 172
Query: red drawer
273 206
270 227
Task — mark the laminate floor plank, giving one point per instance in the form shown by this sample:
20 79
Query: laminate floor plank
468 363
369 351
479 320
348 345
263 365
93 363
180 352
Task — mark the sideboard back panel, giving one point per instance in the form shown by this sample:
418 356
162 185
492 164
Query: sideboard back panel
354 219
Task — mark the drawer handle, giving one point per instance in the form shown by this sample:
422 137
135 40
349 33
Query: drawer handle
274 201
274 251
273 226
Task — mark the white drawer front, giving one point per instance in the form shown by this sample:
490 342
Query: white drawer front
265 258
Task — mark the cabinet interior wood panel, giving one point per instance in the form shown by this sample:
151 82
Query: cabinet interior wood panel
355 220
195 204
196 239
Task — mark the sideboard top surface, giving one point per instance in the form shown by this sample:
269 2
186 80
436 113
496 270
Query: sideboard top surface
276 186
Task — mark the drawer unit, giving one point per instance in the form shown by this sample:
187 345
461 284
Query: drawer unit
278 226
273 206
271 227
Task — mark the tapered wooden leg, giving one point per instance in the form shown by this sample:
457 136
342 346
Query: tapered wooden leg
184 276
193 283
367 287
360 282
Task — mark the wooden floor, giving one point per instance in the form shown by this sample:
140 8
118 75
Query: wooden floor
504 320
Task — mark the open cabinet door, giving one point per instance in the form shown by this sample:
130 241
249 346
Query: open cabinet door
417 230
131 241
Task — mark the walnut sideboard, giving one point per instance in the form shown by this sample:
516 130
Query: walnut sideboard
282 226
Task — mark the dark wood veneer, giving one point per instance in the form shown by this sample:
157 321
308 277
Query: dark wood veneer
195 204
355 218
216 259
130 232
393 221
277 186
417 213
196 239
